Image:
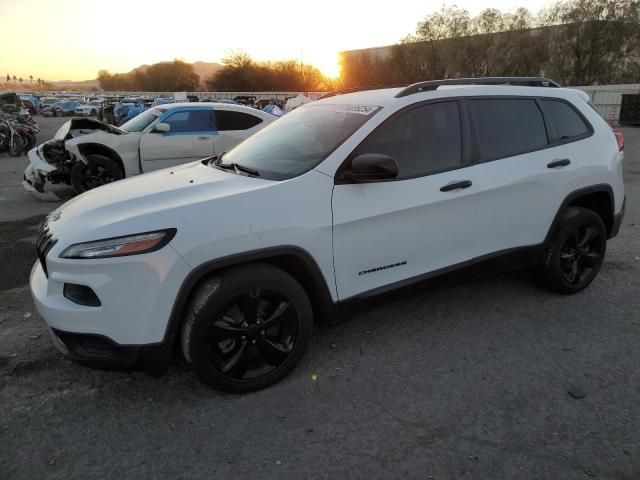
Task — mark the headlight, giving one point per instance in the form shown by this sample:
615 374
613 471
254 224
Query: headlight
120 246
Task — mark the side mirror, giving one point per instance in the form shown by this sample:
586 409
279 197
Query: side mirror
162 127
372 167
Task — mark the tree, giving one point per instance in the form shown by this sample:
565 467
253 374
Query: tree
578 42
8 78
241 73
14 79
20 80
31 78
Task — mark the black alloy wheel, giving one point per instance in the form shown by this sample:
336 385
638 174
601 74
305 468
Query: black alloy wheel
254 334
576 251
247 327
581 253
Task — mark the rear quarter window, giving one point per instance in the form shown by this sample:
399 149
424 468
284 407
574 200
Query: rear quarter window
232 120
508 126
564 120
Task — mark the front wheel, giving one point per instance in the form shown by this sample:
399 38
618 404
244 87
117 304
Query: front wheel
247 328
99 170
576 251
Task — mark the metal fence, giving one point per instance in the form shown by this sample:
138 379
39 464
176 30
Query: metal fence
607 98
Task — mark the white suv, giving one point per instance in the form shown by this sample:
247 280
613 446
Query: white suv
236 257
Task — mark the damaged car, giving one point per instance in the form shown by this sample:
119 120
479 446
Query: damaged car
87 153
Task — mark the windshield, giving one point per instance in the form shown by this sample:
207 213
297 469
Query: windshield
142 121
299 141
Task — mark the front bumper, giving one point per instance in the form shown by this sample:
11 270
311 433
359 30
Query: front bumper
617 219
136 295
36 172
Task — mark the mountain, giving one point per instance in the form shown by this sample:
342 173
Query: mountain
203 69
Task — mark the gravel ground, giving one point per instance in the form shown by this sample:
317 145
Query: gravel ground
495 378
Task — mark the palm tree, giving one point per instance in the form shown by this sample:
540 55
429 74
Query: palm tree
14 79
31 78
20 80
8 78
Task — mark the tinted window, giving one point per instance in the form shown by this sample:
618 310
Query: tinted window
191 121
566 122
423 140
231 120
508 127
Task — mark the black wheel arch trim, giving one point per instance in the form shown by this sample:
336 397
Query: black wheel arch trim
581 192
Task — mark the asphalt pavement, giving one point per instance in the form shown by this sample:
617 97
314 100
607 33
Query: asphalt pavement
491 379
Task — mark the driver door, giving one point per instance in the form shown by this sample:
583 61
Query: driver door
190 137
389 232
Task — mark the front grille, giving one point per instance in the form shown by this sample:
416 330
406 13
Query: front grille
44 243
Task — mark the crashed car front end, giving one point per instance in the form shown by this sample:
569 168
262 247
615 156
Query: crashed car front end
52 161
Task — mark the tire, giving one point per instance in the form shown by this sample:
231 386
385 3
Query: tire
58 113
31 141
99 171
576 251
18 145
247 328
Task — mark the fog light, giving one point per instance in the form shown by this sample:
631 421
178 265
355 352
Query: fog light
81 294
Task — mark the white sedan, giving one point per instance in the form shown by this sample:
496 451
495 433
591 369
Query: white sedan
88 109
86 153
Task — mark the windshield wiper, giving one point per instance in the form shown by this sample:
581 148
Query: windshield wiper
238 168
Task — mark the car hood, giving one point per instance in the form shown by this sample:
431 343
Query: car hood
149 201
79 126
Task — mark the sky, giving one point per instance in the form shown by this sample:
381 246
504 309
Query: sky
73 39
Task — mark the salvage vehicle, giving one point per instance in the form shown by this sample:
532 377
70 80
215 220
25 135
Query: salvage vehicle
65 109
88 109
234 259
47 102
86 153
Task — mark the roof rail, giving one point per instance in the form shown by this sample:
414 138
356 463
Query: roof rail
434 84
342 91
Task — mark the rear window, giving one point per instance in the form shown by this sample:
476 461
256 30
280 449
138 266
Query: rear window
231 120
564 120
508 127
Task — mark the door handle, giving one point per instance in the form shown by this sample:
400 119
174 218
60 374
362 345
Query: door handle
563 162
204 138
456 186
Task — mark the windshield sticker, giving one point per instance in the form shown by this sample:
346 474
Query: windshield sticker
361 109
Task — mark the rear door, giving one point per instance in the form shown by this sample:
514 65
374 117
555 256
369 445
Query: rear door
191 137
526 170
393 231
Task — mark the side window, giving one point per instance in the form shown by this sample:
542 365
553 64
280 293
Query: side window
423 140
231 120
191 121
177 121
508 127
566 122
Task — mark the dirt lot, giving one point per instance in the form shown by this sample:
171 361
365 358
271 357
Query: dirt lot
475 381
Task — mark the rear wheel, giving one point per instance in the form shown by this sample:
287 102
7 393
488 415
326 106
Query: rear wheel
99 170
247 328
576 251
